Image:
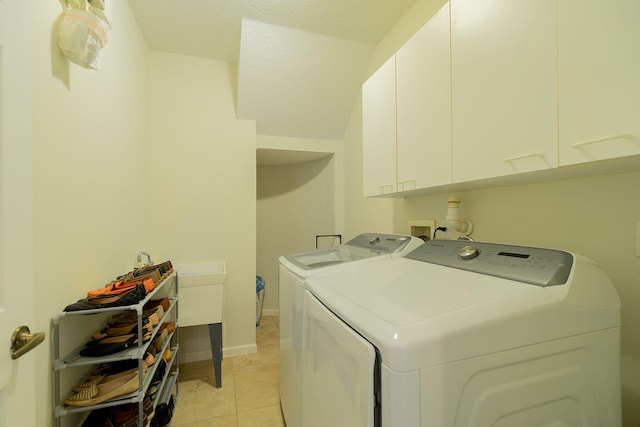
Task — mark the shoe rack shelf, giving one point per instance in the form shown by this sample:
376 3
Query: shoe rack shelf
64 364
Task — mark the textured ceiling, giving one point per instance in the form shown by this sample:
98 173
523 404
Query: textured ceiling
314 78
301 62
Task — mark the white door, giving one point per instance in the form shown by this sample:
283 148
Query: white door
17 385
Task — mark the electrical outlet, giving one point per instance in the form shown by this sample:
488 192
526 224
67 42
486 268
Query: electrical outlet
422 228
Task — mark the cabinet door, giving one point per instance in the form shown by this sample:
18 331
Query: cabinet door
423 84
599 79
379 131
504 97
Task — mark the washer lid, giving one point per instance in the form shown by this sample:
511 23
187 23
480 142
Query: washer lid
420 314
363 246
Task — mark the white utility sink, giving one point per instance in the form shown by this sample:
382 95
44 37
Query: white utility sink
201 274
200 288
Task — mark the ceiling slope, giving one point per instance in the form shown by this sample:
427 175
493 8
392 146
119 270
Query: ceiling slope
301 62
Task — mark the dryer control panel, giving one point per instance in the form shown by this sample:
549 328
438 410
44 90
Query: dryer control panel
537 266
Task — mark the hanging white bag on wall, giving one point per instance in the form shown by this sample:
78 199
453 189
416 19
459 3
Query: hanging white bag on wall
81 36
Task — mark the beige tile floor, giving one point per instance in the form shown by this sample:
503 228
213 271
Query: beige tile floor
249 394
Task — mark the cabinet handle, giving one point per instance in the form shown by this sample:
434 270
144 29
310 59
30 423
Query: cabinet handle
603 139
402 183
381 187
522 156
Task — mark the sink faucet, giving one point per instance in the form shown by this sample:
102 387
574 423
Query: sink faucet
149 262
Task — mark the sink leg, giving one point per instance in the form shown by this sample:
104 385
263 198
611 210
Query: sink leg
215 336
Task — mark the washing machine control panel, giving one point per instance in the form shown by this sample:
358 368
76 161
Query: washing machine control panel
537 266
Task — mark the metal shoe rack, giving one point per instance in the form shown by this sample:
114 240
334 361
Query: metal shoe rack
68 368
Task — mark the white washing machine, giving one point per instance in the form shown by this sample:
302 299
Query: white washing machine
463 334
292 272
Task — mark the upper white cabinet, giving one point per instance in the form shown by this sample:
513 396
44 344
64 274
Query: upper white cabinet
504 97
379 131
406 114
599 79
423 91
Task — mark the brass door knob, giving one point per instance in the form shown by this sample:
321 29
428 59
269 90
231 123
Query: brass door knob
23 341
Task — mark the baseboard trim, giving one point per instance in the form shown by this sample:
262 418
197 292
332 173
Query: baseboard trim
270 312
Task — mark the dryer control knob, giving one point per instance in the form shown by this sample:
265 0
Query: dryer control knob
374 240
468 252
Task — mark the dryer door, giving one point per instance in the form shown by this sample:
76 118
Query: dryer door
338 377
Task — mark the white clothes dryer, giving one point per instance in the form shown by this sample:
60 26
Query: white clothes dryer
293 270
463 334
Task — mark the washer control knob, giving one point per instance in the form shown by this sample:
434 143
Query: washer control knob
374 240
468 252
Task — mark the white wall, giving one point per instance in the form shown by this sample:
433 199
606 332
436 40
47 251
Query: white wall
202 187
594 216
295 202
90 171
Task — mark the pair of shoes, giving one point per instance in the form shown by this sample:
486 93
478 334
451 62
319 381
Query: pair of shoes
159 373
98 418
153 314
147 328
127 415
169 326
159 340
130 297
105 390
164 268
111 345
118 287
102 379
112 368
135 275
149 359
116 329
163 414
164 302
